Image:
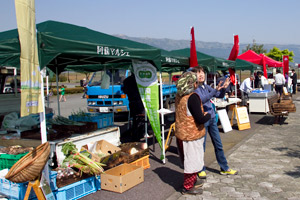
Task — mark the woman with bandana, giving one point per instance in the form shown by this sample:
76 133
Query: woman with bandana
190 131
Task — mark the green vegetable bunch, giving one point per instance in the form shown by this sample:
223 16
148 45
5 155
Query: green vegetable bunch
80 160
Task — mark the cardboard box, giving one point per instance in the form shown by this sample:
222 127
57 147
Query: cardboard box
101 146
121 178
106 147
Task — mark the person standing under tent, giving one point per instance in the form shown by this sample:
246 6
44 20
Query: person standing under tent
190 131
62 93
294 81
246 89
261 82
136 106
286 76
84 85
279 82
206 93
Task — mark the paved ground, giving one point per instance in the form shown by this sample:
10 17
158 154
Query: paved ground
268 165
267 157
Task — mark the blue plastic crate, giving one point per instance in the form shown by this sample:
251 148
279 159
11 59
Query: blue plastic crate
49 116
53 186
15 190
102 119
98 182
78 189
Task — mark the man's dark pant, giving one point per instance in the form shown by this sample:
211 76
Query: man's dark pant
294 88
279 89
244 98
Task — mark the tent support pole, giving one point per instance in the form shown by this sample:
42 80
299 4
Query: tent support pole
47 85
113 105
57 89
162 121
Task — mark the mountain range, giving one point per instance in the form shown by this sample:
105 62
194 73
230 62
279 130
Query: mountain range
217 49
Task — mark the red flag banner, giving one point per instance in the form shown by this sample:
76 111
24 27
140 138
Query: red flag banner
235 49
233 55
264 66
193 53
285 61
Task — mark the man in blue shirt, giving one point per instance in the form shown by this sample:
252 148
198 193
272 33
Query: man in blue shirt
206 93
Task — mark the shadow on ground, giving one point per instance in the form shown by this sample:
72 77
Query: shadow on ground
295 173
269 120
169 176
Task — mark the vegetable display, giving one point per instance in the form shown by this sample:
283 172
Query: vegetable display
80 160
59 120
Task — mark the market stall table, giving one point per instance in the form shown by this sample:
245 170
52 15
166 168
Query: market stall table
221 103
258 101
110 134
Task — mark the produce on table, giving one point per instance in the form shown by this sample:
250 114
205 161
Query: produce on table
133 148
80 160
15 150
59 120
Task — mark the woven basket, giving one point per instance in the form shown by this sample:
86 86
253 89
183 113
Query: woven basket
30 166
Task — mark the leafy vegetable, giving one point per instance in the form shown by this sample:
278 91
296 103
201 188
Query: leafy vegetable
80 160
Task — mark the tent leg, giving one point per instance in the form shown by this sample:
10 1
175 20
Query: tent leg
57 89
162 121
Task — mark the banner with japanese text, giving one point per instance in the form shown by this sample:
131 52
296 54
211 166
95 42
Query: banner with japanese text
31 101
146 78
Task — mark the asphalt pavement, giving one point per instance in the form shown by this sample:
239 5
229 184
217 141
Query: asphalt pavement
267 157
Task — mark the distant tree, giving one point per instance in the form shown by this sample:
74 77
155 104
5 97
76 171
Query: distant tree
256 48
87 75
277 54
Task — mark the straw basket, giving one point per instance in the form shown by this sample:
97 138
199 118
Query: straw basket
30 166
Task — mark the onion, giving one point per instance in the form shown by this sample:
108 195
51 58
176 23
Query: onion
133 151
144 146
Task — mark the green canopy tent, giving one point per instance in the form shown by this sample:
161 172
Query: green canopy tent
171 62
210 63
61 44
10 49
245 65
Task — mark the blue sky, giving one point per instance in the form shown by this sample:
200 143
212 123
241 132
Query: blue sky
266 21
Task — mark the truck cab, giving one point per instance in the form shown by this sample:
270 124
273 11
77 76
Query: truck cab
113 99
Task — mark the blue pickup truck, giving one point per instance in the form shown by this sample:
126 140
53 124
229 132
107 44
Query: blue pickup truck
102 100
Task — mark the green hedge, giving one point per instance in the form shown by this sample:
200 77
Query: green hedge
69 90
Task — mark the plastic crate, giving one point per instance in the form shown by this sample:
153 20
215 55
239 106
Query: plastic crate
8 160
78 189
102 119
143 162
49 116
15 190
53 186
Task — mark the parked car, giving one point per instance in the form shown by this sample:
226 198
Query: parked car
175 77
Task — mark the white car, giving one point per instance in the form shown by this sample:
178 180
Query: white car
7 89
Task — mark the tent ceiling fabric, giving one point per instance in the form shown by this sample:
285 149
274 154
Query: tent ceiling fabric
61 44
210 63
